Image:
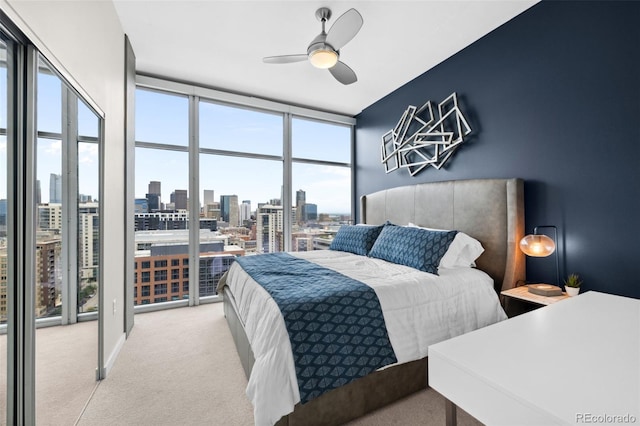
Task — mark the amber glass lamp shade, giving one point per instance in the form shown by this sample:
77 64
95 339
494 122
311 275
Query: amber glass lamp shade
537 245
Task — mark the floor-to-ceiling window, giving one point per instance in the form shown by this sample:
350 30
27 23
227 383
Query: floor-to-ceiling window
321 182
267 177
240 168
49 268
88 210
161 211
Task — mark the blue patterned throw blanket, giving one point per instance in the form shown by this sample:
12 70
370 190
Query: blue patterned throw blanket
335 323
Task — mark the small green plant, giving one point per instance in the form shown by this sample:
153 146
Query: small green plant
573 280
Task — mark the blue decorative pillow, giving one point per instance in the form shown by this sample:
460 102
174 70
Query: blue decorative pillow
357 239
415 247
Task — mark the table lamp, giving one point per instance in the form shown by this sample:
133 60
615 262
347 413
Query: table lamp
540 245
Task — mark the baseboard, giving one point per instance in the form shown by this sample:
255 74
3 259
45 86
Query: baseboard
113 356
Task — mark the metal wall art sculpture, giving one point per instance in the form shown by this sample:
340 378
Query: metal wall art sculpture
420 140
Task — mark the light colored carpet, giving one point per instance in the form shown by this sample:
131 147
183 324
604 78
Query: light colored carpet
66 360
180 367
423 408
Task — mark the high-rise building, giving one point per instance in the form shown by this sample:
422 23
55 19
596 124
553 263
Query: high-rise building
154 196
3 214
55 188
50 216
153 202
300 201
179 199
212 211
229 209
162 268
245 211
309 212
38 192
269 228
48 276
88 240
155 187
48 279
208 196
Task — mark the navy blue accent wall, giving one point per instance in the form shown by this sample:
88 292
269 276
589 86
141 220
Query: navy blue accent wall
553 97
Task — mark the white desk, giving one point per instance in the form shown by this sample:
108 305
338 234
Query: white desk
556 365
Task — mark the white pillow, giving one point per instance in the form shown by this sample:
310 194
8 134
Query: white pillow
462 252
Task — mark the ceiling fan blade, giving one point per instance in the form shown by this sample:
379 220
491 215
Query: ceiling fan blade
285 59
343 73
344 29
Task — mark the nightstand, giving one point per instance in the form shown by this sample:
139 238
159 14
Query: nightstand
513 300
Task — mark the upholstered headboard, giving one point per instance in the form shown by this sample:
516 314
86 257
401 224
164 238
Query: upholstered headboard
490 210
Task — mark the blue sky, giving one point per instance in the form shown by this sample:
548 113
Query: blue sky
162 118
49 155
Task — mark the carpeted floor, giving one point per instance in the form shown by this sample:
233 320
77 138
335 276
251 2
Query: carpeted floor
66 361
180 367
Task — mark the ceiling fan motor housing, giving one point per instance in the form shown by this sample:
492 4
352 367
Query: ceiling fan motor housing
321 54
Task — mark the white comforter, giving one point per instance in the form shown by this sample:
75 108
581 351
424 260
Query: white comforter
419 309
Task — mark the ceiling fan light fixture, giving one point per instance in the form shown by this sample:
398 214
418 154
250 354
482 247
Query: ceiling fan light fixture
324 50
323 58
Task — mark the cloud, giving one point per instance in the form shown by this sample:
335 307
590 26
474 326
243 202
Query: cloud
54 148
88 153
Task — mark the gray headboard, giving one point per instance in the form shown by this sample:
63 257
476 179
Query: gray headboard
490 210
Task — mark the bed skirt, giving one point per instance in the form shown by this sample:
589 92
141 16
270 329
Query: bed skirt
348 402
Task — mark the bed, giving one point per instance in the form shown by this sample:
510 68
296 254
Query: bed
489 210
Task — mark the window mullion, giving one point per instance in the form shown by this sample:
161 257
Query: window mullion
194 203
25 388
353 176
69 206
286 191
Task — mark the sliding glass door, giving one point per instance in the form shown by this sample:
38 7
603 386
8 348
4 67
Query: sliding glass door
4 260
67 256
50 255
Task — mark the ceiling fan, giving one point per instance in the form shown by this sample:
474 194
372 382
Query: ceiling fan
324 50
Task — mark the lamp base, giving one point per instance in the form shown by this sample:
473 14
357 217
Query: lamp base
545 289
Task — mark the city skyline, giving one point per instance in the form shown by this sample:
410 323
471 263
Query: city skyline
228 174
253 203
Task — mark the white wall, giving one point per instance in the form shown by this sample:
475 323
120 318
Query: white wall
85 41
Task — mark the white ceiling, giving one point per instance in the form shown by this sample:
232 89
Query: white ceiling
220 44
